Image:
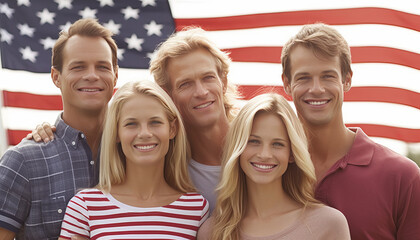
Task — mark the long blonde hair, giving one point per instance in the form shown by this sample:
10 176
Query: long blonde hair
298 180
113 162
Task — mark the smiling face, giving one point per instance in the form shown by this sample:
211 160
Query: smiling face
267 153
197 89
144 131
87 79
316 86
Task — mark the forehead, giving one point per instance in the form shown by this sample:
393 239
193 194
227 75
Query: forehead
195 62
82 48
141 104
303 59
270 124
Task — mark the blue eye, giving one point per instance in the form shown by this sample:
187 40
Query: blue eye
278 144
253 141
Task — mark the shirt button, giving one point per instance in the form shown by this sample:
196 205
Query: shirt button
73 143
59 211
82 135
92 162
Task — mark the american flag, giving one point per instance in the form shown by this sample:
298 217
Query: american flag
384 37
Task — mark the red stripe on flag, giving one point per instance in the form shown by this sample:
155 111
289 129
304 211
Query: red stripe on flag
403 134
359 55
34 101
356 94
331 16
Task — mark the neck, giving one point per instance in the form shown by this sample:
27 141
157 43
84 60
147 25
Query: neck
207 144
145 182
268 200
328 144
90 124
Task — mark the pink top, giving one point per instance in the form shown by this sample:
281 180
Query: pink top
317 222
376 189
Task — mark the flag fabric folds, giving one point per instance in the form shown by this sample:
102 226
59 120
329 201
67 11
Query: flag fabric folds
384 39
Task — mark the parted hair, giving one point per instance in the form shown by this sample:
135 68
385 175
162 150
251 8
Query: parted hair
324 41
298 180
113 161
182 43
86 28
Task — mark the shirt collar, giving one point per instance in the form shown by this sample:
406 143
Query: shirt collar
361 152
69 135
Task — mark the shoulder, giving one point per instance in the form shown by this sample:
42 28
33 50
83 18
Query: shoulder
327 222
389 160
193 197
326 214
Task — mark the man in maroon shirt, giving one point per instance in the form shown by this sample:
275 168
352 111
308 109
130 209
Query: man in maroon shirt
376 189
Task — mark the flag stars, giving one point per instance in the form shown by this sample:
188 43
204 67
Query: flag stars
130 12
6 36
46 16
104 3
120 52
153 28
28 54
4 8
26 30
23 3
88 13
144 3
47 42
65 27
134 42
113 27
64 4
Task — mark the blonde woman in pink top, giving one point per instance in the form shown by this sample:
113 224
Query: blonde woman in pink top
266 189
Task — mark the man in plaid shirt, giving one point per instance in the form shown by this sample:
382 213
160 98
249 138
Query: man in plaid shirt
38 179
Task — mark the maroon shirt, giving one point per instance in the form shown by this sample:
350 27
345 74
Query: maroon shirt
376 189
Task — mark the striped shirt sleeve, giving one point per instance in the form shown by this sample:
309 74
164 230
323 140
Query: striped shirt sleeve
76 219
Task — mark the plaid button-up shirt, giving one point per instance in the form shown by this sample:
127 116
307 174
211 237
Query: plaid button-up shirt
38 179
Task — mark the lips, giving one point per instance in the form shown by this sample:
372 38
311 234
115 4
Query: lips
89 89
317 102
204 105
263 166
145 147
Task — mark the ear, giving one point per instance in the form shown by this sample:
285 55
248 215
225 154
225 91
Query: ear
347 81
55 76
291 159
116 76
173 129
286 85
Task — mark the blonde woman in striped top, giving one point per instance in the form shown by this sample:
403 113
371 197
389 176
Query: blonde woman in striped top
144 190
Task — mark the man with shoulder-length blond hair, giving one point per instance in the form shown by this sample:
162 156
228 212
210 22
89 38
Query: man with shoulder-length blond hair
375 188
38 179
194 72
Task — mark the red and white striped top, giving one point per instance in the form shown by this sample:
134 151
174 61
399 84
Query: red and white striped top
96 215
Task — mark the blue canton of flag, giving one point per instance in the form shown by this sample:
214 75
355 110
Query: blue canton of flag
29 29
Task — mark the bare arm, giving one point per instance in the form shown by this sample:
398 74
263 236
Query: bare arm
43 132
6 234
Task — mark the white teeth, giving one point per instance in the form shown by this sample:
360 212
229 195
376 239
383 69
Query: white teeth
204 105
146 147
89 90
316 103
263 166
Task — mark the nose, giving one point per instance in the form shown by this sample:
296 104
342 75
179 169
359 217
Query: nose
200 89
144 132
265 152
91 74
317 86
